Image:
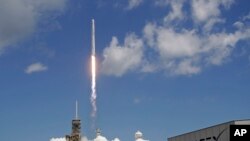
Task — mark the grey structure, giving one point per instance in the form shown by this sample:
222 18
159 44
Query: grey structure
220 132
76 128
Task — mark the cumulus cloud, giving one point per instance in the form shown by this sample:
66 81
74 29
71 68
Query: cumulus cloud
20 18
238 25
185 52
119 59
171 44
178 50
134 3
208 11
181 67
176 12
247 17
35 67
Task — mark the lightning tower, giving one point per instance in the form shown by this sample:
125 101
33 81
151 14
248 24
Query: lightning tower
76 128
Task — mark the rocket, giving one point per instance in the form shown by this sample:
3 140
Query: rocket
93 38
93 71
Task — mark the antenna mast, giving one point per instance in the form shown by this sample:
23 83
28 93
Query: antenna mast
76 110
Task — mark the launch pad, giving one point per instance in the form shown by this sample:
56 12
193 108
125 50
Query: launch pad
76 128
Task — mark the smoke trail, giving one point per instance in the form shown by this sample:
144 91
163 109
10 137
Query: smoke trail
93 86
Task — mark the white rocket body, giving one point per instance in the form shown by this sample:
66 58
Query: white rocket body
93 72
93 38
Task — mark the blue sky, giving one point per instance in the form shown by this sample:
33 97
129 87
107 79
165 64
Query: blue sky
165 67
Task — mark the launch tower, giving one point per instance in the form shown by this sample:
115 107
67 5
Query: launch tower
76 128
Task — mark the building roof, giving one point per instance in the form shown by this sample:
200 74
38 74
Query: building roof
233 122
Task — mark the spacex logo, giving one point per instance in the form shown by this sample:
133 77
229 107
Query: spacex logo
218 137
213 138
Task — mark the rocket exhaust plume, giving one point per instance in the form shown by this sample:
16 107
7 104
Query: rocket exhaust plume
93 72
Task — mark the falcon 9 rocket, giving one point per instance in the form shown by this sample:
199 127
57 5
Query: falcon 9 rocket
93 72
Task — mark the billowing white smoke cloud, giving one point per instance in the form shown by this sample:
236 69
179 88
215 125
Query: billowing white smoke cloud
20 18
84 138
139 136
58 139
116 139
141 140
64 139
100 138
178 50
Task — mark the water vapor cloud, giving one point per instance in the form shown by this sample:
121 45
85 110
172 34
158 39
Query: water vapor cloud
21 18
171 47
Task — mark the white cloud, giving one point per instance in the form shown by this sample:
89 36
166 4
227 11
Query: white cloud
185 67
176 11
186 52
220 45
208 11
177 50
148 67
134 3
171 44
149 33
238 25
119 59
205 9
36 67
247 17
20 18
